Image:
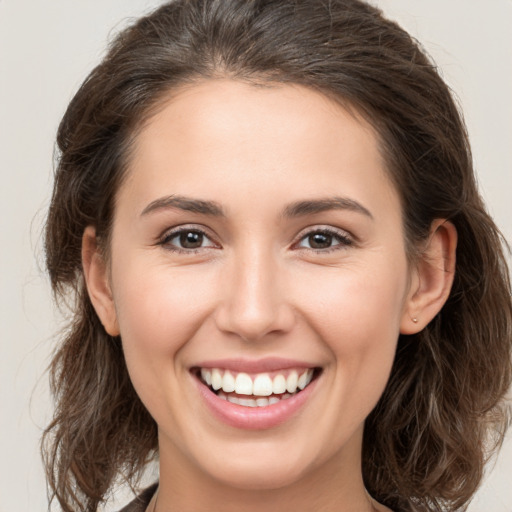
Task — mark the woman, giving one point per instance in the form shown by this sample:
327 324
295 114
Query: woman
287 287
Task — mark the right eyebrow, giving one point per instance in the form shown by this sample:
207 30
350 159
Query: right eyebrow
314 206
184 203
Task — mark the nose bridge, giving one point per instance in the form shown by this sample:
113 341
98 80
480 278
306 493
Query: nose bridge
254 301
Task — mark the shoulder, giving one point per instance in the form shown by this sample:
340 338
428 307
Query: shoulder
140 503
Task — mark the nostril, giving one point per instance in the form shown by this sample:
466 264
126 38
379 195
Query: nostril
252 323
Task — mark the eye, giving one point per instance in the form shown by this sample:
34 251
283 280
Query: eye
186 239
324 239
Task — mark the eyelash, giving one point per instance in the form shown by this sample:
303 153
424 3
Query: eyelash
165 240
341 237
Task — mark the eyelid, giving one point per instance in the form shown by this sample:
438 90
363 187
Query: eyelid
169 233
346 239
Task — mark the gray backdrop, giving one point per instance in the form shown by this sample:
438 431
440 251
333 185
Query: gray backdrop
47 48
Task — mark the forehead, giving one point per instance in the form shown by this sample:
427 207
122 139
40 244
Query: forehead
221 107
221 133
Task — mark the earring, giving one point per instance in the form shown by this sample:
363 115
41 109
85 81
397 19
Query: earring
415 320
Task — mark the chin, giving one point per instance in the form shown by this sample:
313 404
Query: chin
262 464
258 475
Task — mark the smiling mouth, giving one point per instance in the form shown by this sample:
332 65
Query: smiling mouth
259 389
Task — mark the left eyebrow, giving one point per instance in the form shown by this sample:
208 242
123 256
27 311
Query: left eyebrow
184 203
310 207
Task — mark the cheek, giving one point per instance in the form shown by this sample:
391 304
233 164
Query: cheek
355 300
357 313
159 310
358 319
160 307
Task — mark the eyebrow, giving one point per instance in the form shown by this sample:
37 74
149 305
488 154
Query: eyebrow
310 207
297 209
186 204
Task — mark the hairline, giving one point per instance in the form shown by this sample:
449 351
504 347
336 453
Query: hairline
161 99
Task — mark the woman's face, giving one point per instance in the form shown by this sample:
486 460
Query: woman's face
258 242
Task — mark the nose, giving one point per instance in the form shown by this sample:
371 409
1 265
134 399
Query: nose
253 301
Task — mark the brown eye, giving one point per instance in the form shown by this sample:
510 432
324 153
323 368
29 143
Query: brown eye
186 240
191 239
323 240
320 240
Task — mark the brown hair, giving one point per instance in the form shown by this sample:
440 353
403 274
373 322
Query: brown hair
443 409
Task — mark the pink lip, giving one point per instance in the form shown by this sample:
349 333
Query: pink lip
268 364
254 418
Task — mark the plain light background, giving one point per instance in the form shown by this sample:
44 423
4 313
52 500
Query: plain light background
46 50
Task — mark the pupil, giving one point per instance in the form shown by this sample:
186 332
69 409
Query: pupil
191 240
320 240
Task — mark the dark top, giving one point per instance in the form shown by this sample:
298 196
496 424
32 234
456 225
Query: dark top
140 503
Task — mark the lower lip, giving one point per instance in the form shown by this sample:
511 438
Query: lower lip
254 418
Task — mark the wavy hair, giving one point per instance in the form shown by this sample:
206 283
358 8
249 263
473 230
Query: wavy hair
443 410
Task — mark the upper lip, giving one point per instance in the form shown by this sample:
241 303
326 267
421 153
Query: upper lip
268 364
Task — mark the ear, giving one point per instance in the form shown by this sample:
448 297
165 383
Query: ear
97 281
432 279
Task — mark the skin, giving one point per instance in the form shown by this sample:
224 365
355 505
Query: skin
257 288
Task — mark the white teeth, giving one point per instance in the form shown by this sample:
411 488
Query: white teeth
228 382
233 399
248 402
262 385
206 375
251 402
243 384
278 385
216 379
305 379
291 382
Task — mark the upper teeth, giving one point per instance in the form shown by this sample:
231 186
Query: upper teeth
260 384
